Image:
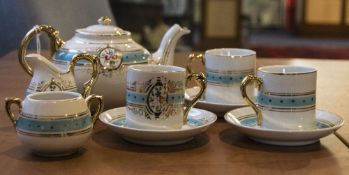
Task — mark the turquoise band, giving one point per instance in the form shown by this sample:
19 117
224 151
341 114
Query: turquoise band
49 126
226 79
300 101
141 98
127 58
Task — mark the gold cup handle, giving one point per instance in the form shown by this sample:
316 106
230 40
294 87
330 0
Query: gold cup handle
200 79
100 106
8 103
56 43
92 81
247 80
193 57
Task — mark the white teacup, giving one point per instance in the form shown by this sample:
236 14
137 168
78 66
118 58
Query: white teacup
286 98
155 96
225 68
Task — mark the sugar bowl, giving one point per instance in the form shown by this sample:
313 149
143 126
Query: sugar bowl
54 123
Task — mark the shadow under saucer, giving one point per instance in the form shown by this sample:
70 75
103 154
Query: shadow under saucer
110 139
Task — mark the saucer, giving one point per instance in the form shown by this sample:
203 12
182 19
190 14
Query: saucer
244 120
219 108
198 121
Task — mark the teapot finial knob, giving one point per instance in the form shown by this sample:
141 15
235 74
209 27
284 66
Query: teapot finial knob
104 20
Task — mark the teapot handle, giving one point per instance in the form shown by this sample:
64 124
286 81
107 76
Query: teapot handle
8 103
100 105
52 33
92 81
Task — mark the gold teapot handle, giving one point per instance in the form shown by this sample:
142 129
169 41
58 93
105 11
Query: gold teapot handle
94 63
100 106
8 103
193 57
56 43
199 79
247 80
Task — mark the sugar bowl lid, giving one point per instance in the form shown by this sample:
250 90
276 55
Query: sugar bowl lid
103 28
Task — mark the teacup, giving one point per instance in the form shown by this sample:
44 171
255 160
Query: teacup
286 97
54 123
225 68
155 96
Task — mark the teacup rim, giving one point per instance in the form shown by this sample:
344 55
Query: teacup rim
174 69
310 71
248 51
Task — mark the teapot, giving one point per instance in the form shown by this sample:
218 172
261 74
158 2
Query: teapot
115 51
48 77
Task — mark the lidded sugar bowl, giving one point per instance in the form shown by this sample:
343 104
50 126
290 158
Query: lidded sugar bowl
114 49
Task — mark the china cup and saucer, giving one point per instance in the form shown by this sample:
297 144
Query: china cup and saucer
198 122
244 120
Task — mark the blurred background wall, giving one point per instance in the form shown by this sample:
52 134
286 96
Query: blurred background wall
274 28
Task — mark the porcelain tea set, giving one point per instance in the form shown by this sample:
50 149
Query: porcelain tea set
149 100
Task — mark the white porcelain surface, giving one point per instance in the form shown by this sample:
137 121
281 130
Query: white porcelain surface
54 123
228 63
288 78
218 108
199 121
143 82
93 39
44 73
283 89
244 120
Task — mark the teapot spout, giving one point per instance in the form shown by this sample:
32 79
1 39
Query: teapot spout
164 55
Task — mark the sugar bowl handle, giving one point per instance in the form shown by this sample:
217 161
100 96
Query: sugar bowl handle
200 80
56 43
94 63
247 80
193 57
8 103
100 104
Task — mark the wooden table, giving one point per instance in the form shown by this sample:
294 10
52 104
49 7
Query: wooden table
221 150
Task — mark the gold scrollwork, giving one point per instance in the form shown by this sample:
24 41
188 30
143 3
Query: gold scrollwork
53 34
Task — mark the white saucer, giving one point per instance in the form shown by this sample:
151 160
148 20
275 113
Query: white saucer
216 107
198 121
244 120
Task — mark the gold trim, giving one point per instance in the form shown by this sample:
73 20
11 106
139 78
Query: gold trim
209 52
276 109
56 43
247 80
58 117
104 20
119 34
289 94
8 103
230 71
201 81
193 57
94 62
100 105
89 129
53 82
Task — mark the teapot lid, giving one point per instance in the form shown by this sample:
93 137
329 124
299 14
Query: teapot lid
103 28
